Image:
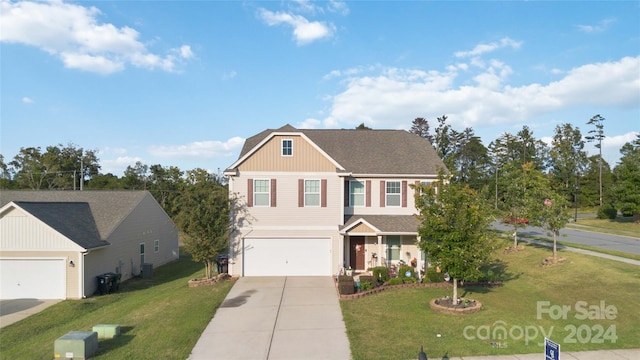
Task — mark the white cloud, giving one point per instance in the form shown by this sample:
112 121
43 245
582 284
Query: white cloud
199 149
485 48
381 100
339 7
304 31
118 165
27 100
74 34
229 75
600 27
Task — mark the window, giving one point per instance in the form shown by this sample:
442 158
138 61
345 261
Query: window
312 193
141 255
393 193
156 245
393 247
287 147
261 194
356 193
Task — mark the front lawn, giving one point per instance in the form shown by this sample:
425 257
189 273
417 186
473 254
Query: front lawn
159 317
395 323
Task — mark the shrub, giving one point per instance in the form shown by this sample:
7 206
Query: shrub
404 270
380 273
434 276
346 288
628 209
396 281
345 279
607 211
365 285
409 280
367 279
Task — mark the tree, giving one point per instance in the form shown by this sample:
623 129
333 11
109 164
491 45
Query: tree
597 135
420 127
521 187
202 215
553 216
454 229
135 178
568 160
362 127
627 180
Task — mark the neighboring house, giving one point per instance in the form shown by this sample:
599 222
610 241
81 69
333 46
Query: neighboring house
320 200
53 244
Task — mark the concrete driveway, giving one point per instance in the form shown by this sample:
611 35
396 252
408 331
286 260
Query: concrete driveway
12 311
276 318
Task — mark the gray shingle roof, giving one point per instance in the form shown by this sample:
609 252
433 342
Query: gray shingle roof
71 219
386 223
108 208
368 151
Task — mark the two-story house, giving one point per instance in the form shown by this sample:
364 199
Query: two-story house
317 201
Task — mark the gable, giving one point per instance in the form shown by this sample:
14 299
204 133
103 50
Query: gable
305 157
22 231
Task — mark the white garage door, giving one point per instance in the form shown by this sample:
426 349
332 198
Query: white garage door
287 257
32 278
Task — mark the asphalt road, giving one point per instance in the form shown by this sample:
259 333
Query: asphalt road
625 244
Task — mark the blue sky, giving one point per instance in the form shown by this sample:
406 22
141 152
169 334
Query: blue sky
183 83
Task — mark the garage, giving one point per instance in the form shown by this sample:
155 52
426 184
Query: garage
287 257
24 278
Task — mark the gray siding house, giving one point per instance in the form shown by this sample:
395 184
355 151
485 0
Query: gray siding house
53 244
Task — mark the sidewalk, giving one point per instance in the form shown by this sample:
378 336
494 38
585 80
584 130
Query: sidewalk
632 354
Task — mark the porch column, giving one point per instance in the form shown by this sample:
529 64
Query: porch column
380 253
419 258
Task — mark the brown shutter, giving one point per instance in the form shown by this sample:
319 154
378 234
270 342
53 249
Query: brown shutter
300 192
382 193
249 192
368 200
346 193
273 192
323 193
404 193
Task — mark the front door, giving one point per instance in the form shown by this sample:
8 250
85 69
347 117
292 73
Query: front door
356 253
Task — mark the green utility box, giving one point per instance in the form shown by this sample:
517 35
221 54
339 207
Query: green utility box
107 331
76 345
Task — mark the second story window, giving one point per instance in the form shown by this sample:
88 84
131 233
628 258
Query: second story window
287 147
312 193
393 194
356 193
261 194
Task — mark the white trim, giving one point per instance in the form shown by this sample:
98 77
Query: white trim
304 193
282 148
274 134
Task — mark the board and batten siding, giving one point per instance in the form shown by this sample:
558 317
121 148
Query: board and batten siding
305 158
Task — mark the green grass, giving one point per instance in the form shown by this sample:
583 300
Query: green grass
395 323
159 318
618 226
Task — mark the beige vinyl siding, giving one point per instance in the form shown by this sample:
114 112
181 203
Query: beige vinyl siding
306 158
145 224
378 196
287 212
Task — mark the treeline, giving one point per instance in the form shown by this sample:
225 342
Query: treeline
493 170
507 167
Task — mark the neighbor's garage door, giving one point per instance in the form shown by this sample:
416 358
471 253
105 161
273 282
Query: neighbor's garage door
287 257
32 279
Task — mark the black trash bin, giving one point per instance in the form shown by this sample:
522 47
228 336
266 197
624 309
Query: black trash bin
223 264
114 282
104 283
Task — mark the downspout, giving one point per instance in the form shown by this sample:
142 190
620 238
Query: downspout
81 275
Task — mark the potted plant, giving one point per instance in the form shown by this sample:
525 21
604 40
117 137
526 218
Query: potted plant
349 271
414 262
